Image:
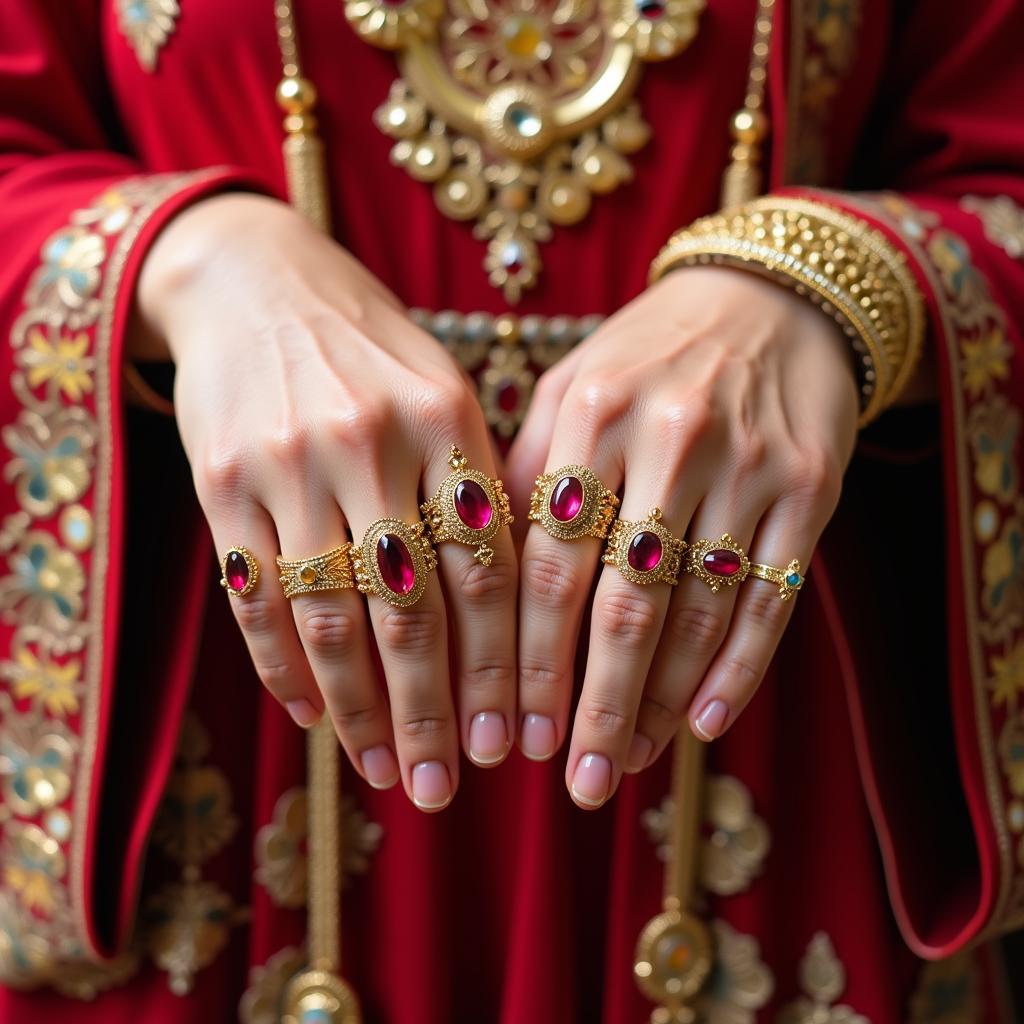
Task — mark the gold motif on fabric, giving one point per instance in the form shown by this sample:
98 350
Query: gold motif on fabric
948 992
147 25
1003 221
735 842
282 862
823 981
517 111
740 983
261 1002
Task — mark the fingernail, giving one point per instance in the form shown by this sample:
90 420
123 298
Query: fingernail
303 713
639 751
380 767
710 723
431 786
592 779
488 737
537 737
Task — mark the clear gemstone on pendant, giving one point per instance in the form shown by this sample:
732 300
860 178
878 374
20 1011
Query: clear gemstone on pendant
512 256
236 571
722 562
395 564
523 120
644 551
566 499
472 504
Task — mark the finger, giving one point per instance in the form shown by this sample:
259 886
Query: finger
412 641
696 625
556 578
480 597
760 619
266 621
335 635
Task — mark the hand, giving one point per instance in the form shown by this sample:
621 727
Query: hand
731 404
309 405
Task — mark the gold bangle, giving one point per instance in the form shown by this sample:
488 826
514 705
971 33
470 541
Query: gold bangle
839 262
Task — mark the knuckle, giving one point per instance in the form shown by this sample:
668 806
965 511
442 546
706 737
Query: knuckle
349 720
697 630
288 445
683 424
421 726
540 682
486 676
221 472
751 452
605 716
815 479
654 710
745 675
446 405
596 402
328 630
360 427
548 579
256 615
627 617
277 676
410 630
487 584
764 607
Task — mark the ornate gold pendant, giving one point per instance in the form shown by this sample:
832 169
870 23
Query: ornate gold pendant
517 111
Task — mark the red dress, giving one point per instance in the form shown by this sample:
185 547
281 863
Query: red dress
867 811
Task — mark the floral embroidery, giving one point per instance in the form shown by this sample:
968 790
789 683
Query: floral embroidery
59 359
67 282
1002 572
739 984
1011 752
147 25
50 685
1008 675
1003 221
823 980
46 588
36 760
986 359
33 862
947 992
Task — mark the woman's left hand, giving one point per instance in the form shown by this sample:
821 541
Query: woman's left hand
729 403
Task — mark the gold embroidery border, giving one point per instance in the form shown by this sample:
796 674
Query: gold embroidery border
923 228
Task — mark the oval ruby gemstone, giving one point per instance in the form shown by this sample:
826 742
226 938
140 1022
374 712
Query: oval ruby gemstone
236 571
508 397
566 499
395 564
644 551
472 504
722 562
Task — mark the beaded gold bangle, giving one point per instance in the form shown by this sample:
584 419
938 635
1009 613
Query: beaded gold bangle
839 262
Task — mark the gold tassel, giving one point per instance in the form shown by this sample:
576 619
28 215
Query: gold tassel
304 164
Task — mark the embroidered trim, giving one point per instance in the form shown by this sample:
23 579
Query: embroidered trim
147 25
1003 221
57 554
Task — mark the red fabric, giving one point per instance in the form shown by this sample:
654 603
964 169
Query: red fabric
513 906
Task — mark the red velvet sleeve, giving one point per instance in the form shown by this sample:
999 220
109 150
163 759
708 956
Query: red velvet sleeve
947 146
75 221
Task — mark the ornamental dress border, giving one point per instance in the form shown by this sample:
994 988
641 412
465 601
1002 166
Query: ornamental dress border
57 552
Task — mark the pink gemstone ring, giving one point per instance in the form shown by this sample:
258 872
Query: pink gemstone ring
723 562
393 561
644 551
469 508
239 571
571 503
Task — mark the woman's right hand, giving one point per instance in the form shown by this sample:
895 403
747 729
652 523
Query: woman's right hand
310 406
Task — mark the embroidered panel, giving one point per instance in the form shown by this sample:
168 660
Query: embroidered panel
822 981
1003 221
146 26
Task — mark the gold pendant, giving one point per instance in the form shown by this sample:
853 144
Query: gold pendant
517 111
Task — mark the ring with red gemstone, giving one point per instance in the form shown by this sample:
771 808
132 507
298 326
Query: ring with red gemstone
393 561
469 508
571 503
644 551
718 563
788 580
239 571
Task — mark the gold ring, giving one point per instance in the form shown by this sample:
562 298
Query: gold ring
393 560
572 503
469 508
718 563
788 580
239 571
644 551
329 571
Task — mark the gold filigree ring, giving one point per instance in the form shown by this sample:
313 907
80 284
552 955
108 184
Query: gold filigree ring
571 503
239 571
329 571
788 580
469 508
393 560
644 551
718 563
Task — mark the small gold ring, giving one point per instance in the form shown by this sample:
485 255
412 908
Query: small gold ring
329 571
239 571
644 551
718 563
469 508
788 580
393 561
571 503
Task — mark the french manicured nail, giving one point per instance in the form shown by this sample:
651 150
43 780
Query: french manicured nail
488 737
639 751
537 737
303 713
710 723
592 779
380 767
431 785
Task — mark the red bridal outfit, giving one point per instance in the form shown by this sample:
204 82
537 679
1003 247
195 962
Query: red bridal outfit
862 834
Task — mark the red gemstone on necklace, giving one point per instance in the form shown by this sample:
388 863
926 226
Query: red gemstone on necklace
395 564
644 551
236 571
566 499
508 397
472 504
722 562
